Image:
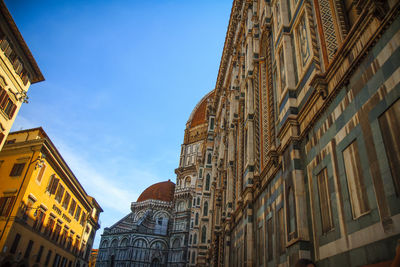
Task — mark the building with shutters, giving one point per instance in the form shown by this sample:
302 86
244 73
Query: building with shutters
46 217
18 70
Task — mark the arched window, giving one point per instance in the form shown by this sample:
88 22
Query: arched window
203 234
291 213
190 239
139 243
187 182
104 244
176 243
181 206
124 242
193 256
196 220
209 158
139 253
195 238
155 263
158 246
198 201
114 243
205 209
207 187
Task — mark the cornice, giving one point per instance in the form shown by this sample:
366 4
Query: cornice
234 20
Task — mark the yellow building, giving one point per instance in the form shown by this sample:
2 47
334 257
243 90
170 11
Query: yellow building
18 70
46 217
93 257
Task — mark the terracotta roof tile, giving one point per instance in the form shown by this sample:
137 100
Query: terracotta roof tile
199 116
160 191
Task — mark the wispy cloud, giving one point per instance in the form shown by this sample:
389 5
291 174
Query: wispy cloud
107 190
22 123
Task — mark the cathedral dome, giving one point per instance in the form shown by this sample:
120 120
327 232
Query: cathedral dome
160 191
199 113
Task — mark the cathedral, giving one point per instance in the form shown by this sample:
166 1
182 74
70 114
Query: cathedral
292 155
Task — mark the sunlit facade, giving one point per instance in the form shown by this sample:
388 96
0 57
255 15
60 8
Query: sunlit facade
295 153
305 155
46 217
18 70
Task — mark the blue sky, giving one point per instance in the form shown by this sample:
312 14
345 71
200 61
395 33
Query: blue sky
122 78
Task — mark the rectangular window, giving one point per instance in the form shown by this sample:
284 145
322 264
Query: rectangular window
64 235
6 104
4 44
40 174
28 249
49 227
212 124
78 213
193 257
355 181
56 261
57 231
15 243
260 245
6 205
39 255
52 186
46 263
324 201
82 222
270 239
17 169
60 193
282 70
66 200
39 220
389 123
281 232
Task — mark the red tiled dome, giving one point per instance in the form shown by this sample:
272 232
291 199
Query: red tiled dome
160 191
199 115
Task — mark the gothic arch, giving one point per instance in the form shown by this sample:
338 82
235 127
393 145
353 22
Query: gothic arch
140 244
188 181
162 214
154 242
114 243
139 215
124 242
104 244
176 243
264 43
